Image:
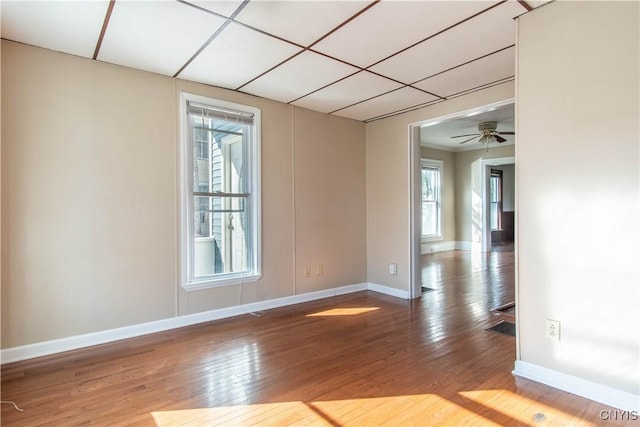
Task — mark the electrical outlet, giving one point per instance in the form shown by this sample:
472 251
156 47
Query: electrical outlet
393 268
553 329
319 269
307 271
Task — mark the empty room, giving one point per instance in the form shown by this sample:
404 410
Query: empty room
340 213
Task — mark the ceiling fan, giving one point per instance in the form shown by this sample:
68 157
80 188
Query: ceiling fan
488 133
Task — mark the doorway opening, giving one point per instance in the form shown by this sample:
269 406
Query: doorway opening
465 219
498 202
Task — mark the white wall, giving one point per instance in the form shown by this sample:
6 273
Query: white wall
578 191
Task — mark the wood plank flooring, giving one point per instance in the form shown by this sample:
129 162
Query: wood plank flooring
362 359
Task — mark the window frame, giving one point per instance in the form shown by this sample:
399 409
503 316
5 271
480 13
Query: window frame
498 175
188 281
439 164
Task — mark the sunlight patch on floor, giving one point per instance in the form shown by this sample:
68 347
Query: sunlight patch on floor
421 409
262 414
353 311
522 409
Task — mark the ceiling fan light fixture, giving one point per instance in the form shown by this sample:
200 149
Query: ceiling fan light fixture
487 126
487 135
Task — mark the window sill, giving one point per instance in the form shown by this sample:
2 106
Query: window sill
216 283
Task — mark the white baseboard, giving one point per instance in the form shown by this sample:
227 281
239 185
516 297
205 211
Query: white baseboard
394 292
15 354
443 246
463 245
597 392
437 246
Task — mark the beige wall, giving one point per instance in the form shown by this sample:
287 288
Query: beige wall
329 188
387 172
578 190
457 185
89 198
465 192
448 190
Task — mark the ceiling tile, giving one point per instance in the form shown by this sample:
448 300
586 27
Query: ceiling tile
301 75
70 27
486 33
236 56
353 89
391 26
400 99
302 22
536 4
478 73
156 36
223 7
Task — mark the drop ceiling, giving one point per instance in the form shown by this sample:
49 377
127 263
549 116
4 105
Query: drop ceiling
357 59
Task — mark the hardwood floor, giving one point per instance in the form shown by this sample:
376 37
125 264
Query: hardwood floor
361 359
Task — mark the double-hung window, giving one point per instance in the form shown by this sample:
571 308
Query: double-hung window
495 200
220 192
431 199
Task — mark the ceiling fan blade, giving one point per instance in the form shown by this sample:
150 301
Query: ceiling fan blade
466 140
499 138
471 134
507 133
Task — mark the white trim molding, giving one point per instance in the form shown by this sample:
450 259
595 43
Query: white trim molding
29 351
597 392
464 245
427 247
394 292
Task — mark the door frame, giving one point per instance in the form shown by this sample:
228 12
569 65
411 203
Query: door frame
413 147
486 175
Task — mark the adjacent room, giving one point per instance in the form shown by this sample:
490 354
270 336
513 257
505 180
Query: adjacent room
313 212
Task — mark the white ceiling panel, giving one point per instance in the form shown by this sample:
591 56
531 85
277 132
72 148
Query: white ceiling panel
258 51
486 33
302 22
397 100
535 4
236 56
223 7
156 36
390 26
70 27
298 77
353 89
478 73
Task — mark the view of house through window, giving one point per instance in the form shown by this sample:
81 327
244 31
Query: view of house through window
431 198
495 200
222 199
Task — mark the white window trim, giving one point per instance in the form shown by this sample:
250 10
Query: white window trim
186 200
440 165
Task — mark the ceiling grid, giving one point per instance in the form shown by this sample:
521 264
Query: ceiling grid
363 60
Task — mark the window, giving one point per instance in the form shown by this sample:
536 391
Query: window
431 199
495 200
220 192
